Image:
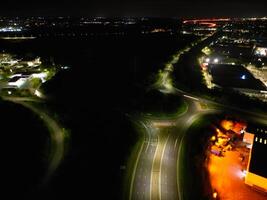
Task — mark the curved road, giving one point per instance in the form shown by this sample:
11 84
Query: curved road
57 133
156 176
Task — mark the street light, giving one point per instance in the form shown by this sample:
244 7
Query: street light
216 60
214 195
243 77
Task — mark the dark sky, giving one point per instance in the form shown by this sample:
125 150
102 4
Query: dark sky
161 8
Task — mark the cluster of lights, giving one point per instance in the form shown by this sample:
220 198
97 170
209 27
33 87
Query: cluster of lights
11 29
260 140
261 51
215 60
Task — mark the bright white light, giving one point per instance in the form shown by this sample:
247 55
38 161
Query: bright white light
243 77
38 93
30 64
244 173
14 75
41 76
261 51
214 195
18 83
65 67
207 60
12 62
241 174
216 60
10 29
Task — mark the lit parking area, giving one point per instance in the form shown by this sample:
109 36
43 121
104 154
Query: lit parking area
227 177
227 162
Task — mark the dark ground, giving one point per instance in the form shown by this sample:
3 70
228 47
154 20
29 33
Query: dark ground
108 77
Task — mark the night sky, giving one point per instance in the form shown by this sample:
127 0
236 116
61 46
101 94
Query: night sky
154 8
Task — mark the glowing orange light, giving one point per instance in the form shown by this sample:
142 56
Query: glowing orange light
213 138
209 24
227 124
206 20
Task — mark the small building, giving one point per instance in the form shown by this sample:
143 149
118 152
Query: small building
256 176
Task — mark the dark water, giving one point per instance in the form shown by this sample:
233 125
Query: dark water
108 77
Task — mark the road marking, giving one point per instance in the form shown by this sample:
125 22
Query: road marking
161 164
56 135
190 97
134 171
148 143
189 122
151 177
178 160
175 142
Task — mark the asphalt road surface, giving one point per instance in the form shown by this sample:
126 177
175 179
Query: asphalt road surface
156 175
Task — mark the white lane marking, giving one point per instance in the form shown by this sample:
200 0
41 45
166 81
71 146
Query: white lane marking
161 165
148 143
175 142
134 171
190 97
151 177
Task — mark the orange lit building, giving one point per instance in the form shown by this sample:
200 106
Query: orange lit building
248 139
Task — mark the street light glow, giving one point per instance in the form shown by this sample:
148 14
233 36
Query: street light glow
38 93
216 60
214 195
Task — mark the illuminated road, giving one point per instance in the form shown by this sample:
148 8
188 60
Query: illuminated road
157 167
57 133
156 174
141 184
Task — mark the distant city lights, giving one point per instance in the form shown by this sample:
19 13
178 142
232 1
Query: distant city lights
10 29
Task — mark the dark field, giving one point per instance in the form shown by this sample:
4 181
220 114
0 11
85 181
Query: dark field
234 76
108 78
